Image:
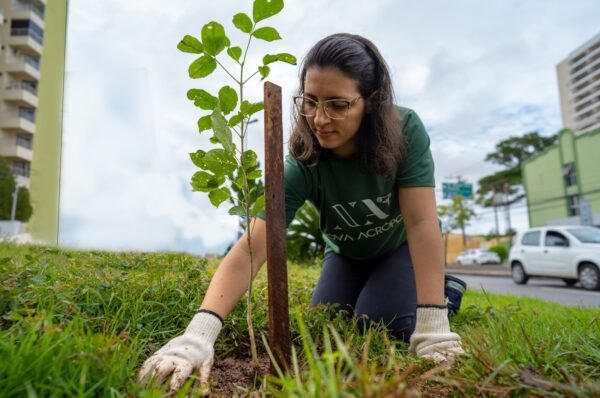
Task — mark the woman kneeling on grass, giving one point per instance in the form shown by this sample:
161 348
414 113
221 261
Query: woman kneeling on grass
367 167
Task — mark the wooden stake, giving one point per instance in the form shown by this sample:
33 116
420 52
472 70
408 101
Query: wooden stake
279 325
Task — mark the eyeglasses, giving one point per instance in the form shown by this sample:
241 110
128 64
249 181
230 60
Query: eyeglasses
334 109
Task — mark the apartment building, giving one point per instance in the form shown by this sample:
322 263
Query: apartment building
21 42
579 87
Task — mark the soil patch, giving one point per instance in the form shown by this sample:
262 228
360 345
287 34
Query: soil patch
231 377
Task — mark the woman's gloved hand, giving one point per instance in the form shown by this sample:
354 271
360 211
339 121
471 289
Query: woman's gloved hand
193 350
432 338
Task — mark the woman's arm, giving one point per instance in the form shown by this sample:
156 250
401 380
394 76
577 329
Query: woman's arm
230 281
432 337
425 242
193 350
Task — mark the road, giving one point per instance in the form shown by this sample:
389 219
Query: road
544 289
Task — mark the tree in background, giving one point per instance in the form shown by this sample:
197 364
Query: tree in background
511 153
456 215
304 239
7 186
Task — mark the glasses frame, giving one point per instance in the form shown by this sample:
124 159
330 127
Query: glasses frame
323 104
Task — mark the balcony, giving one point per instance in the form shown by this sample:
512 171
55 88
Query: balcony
589 57
20 121
26 39
16 152
26 67
22 93
589 122
584 95
28 11
21 168
589 79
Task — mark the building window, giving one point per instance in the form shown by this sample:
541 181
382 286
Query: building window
26 27
21 168
573 205
27 113
25 141
569 174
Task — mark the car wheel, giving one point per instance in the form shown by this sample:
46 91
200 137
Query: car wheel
589 276
518 274
570 282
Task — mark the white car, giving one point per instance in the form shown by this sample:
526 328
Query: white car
571 253
477 256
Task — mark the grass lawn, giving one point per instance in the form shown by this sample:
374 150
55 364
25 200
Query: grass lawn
80 323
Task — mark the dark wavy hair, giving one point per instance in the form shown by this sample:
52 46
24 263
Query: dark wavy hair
380 138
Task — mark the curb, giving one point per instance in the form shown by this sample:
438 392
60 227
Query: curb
486 270
504 274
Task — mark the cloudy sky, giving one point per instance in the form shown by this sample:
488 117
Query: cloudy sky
476 72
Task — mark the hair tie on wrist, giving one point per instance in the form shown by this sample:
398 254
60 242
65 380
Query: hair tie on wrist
212 313
442 307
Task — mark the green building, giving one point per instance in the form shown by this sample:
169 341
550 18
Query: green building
45 167
562 183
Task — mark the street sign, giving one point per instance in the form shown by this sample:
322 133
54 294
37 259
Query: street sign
451 190
585 212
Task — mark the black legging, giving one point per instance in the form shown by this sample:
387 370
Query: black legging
380 289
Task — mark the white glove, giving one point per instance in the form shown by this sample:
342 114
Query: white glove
183 354
432 338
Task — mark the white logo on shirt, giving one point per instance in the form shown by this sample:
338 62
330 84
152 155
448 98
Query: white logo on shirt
364 213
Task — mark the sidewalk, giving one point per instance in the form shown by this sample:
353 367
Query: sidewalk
482 270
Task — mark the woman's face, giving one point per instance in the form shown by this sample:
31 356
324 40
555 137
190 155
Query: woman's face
338 135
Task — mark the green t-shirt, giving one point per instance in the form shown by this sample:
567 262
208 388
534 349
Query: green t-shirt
359 211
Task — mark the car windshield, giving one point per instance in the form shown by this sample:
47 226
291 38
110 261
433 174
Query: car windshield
586 235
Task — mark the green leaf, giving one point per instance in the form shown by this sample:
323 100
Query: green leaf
213 139
239 182
263 9
242 22
264 71
203 99
213 38
219 161
198 158
228 99
189 44
265 33
283 57
222 130
219 196
204 123
259 205
254 174
249 109
202 67
206 182
238 211
236 119
235 53
249 159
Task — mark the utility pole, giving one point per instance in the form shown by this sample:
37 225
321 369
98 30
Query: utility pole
495 204
507 208
459 180
15 196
